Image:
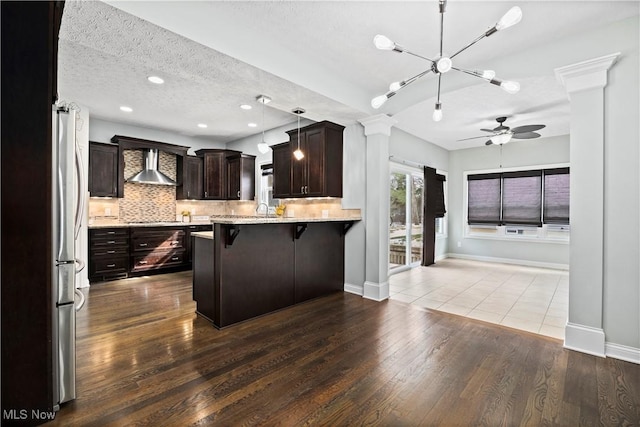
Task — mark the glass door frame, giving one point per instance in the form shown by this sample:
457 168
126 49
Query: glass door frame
409 173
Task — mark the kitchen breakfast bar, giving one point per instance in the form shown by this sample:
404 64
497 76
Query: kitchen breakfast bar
247 267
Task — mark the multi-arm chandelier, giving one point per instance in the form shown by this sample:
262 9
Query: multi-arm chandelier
443 64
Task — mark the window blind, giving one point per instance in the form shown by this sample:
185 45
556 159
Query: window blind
556 196
484 203
522 198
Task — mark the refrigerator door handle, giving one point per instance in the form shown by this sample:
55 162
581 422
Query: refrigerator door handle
81 201
82 300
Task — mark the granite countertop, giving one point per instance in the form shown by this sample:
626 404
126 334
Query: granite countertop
275 220
224 220
203 234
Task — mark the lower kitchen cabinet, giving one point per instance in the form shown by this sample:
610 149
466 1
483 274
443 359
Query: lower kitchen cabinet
108 253
155 248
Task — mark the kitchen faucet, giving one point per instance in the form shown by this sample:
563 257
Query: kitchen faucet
266 210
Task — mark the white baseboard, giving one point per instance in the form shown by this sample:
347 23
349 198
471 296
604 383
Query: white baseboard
441 257
510 261
354 289
376 291
622 352
584 339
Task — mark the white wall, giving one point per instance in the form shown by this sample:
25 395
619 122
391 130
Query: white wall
522 153
103 131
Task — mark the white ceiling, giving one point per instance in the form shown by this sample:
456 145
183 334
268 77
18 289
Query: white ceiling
319 55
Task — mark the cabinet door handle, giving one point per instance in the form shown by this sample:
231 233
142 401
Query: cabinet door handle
238 194
142 262
143 244
302 189
206 194
110 265
188 194
175 242
111 252
111 242
111 232
175 258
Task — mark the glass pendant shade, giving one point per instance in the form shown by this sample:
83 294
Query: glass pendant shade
511 18
263 147
298 154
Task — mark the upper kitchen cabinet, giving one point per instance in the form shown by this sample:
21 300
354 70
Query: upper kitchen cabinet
281 170
190 174
319 173
215 172
241 177
103 170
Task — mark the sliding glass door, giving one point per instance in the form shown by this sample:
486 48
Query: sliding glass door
406 216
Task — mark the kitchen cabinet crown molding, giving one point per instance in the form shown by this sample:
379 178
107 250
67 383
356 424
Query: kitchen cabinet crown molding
131 143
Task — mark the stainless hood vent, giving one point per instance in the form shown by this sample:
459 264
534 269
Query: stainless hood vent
150 174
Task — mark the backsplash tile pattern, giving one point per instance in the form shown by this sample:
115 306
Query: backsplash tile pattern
143 202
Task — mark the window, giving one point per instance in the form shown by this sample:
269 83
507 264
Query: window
530 197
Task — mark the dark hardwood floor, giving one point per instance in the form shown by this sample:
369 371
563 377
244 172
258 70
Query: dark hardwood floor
145 358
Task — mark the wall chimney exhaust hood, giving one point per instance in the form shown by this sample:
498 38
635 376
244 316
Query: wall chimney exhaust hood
150 174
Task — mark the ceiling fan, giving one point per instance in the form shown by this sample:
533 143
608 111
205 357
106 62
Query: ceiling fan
503 134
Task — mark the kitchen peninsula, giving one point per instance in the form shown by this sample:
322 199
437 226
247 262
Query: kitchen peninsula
247 267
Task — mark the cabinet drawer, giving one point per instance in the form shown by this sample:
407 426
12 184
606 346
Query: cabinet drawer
108 232
157 259
107 265
149 243
109 251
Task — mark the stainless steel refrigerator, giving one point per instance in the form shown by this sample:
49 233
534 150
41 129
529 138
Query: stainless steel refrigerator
68 206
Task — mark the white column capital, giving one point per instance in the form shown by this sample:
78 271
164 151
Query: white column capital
587 74
379 124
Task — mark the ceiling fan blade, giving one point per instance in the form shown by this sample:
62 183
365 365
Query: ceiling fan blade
527 128
488 143
487 130
474 137
526 135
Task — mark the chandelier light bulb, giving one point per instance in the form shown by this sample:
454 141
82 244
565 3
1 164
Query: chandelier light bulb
437 113
383 42
444 64
395 86
510 87
511 18
487 74
379 101
298 154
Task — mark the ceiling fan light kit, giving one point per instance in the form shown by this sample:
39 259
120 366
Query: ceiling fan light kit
443 64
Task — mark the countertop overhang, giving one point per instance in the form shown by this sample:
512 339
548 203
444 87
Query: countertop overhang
229 220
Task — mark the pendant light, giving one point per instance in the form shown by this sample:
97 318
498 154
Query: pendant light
263 147
298 154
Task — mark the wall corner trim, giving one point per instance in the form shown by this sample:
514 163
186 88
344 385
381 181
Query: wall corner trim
376 291
584 339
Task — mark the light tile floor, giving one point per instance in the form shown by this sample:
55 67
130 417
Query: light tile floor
526 298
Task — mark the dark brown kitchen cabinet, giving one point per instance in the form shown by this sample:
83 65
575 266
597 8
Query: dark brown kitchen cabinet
241 177
282 156
108 253
215 172
319 173
190 239
190 173
103 170
154 248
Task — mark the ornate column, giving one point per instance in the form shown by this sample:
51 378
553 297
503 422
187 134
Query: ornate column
377 129
585 83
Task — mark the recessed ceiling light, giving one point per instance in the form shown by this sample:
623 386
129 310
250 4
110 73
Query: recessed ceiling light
246 107
252 125
202 125
126 109
155 79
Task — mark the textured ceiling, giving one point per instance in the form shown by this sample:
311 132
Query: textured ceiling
215 56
